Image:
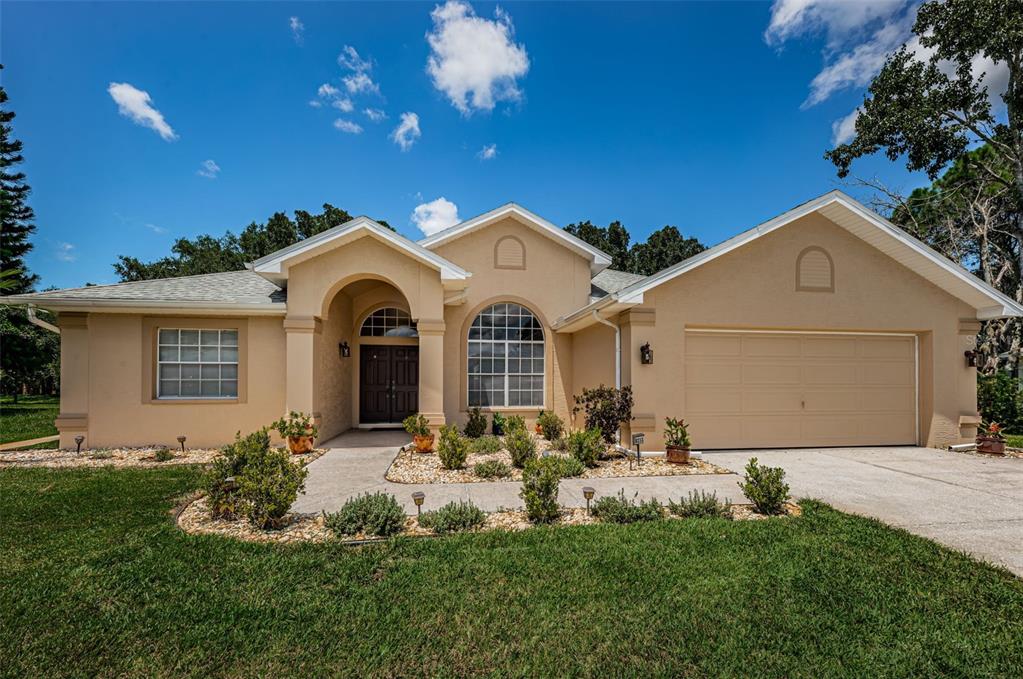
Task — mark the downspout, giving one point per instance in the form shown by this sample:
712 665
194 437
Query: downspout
35 320
618 347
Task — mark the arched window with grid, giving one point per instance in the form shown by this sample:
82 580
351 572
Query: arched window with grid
506 358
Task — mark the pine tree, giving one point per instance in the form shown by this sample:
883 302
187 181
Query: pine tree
16 215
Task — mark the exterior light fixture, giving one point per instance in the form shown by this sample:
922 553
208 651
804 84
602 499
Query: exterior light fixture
181 440
646 354
418 497
78 443
971 358
343 350
588 494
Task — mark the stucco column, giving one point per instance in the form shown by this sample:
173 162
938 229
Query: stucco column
638 329
431 371
303 336
969 418
73 419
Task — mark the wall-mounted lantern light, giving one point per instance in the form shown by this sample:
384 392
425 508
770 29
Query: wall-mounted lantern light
646 354
344 350
971 358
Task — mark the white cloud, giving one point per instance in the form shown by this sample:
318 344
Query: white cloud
360 82
136 104
435 216
156 229
350 59
488 152
407 132
839 20
343 104
208 169
375 114
844 129
328 91
297 29
332 95
315 103
65 252
347 126
470 54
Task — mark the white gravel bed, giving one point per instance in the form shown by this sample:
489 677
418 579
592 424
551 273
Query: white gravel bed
120 457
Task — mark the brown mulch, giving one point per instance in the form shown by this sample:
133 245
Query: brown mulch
120 457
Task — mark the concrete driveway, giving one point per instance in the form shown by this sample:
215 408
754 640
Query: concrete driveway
966 502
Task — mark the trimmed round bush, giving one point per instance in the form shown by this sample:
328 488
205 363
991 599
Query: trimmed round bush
492 469
618 509
269 484
477 424
701 505
453 448
585 446
370 514
486 444
453 517
568 467
765 487
540 490
521 446
551 425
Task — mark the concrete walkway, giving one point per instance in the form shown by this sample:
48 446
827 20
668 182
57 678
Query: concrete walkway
966 502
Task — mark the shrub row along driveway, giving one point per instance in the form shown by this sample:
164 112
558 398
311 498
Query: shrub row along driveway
963 501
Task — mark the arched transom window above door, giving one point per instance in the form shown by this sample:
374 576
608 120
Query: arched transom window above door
388 322
506 358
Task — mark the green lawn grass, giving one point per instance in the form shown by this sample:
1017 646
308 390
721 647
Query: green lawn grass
1014 440
31 417
98 582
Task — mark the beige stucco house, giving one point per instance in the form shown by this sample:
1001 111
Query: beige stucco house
825 326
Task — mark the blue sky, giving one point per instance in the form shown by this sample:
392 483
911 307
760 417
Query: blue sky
693 114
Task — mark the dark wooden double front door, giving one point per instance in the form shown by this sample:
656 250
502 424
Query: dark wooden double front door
388 383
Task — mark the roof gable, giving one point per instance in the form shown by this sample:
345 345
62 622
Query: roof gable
598 259
275 265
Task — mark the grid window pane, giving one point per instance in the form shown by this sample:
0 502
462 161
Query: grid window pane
505 357
388 322
197 363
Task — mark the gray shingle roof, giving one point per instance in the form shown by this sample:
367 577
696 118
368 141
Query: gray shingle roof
242 287
611 280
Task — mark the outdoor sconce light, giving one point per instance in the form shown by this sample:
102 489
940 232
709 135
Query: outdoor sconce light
181 440
588 494
344 350
418 497
646 354
971 358
78 443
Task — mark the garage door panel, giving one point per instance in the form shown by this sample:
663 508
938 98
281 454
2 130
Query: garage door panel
746 390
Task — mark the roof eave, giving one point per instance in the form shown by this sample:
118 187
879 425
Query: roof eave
74 304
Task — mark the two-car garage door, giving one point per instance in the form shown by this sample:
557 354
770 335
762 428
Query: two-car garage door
758 389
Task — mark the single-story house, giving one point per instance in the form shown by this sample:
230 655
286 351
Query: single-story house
825 326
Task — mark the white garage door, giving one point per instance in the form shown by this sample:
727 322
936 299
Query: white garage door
768 389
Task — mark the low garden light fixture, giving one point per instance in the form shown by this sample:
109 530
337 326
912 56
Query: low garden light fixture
418 497
971 358
646 354
181 440
588 494
78 443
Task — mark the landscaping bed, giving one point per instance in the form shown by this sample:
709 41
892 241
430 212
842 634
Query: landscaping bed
120 457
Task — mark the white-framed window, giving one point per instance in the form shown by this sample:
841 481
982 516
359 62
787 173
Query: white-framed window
506 358
388 322
197 363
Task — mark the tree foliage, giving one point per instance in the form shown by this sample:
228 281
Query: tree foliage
663 247
211 254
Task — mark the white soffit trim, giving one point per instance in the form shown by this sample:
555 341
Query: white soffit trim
599 260
871 228
274 265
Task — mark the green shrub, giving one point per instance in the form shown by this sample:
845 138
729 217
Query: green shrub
416 425
485 445
101 454
370 514
568 467
221 478
492 469
513 424
676 433
540 490
551 425
701 505
453 517
477 424
585 446
560 445
605 408
163 454
1000 400
294 425
498 424
618 509
521 446
765 487
269 484
453 448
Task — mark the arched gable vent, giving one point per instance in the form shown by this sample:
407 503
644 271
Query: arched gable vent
815 270
509 253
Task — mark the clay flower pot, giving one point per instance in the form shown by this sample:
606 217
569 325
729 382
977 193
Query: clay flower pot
424 444
991 445
677 455
538 429
299 445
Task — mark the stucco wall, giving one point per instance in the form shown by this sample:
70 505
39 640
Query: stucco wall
554 282
755 287
334 374
117 397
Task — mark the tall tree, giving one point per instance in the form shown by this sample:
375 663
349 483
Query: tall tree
663 248
931 106
612 239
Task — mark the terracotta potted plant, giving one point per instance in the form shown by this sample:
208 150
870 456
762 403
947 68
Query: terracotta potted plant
298 430
536 427
676 441
990 439
419 428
